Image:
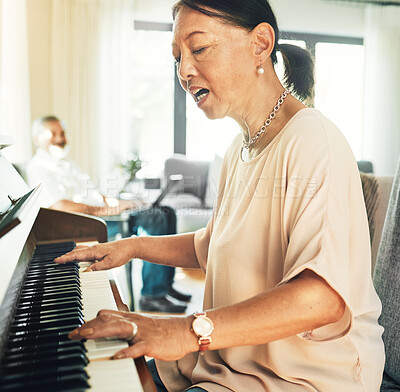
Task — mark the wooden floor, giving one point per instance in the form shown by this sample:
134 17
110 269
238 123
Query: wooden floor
186 281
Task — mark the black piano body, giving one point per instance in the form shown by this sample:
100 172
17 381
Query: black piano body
25 226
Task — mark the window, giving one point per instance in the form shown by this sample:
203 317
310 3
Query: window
162 110
339 89
206 138
339 80
153 95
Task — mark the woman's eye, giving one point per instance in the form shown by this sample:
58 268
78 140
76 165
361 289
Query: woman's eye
198 51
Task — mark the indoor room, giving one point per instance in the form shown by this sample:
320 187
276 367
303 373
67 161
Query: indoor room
92 108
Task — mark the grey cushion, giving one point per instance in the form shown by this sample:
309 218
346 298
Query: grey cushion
370 190
194 174
365 166
387 284
384 188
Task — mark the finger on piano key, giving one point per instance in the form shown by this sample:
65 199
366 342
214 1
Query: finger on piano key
57 298
90 253
103 349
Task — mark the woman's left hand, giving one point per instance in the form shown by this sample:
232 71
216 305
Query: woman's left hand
166 338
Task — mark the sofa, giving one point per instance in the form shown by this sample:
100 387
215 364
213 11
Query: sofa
194 197
387 285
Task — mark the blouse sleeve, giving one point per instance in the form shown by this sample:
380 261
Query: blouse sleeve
324 218
201 244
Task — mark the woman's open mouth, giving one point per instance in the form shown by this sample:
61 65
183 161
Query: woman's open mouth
200 94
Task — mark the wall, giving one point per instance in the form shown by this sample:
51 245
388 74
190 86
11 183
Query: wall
317 16
320 17
313 16
39 34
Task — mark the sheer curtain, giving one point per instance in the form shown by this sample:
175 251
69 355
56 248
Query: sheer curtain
90 77
15 115
382 86
115 85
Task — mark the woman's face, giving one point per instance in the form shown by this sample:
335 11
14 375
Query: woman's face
214 63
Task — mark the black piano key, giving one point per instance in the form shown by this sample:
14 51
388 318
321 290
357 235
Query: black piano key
49 260
40 308
40 274
54 247
50 307
60 320
43 279
35 314
45 331
49 345
39 370
52 253
48 290
39 291
52 294
38 317
48 337
50 264
73 383
39 286
62 379
51 284
50 304
56 279
52 267
48 352
39 325
16 367
38 352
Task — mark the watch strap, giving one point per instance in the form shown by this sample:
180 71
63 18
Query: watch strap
203 341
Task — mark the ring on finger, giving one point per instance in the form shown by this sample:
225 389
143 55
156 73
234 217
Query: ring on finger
134 330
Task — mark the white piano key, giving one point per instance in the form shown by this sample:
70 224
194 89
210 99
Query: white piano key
103 348
120 375
97 295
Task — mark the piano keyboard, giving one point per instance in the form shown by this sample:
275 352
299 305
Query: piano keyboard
54 300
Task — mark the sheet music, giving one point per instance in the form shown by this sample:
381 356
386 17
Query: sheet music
10 180
12 243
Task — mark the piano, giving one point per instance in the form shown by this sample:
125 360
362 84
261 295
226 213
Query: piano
41 302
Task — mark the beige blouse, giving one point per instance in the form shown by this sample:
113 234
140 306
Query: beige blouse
298 205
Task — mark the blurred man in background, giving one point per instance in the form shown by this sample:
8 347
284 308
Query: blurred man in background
67 188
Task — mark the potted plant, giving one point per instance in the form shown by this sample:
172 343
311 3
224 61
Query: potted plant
129 167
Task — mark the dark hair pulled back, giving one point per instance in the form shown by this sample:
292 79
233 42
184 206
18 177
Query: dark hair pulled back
299 67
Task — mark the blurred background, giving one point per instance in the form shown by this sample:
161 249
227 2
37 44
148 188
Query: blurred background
105 67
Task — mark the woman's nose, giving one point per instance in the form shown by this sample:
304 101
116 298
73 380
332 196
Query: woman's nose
186 69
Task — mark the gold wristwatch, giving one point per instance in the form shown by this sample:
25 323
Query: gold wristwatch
202 326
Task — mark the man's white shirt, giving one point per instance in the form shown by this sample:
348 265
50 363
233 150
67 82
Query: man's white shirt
62 179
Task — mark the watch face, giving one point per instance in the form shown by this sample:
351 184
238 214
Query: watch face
202 326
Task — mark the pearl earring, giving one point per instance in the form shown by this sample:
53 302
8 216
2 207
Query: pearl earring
260 70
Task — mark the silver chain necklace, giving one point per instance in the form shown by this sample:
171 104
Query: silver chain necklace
267 121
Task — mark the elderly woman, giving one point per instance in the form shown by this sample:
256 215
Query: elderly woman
289 303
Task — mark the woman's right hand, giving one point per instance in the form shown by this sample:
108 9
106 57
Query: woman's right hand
105 256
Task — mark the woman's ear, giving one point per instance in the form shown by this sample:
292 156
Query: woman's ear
263 41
